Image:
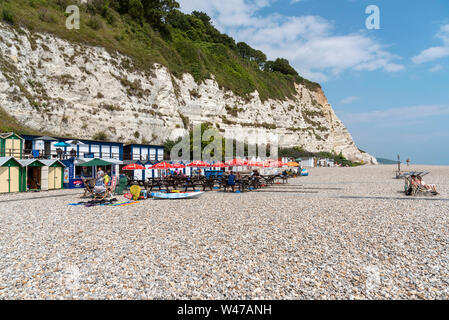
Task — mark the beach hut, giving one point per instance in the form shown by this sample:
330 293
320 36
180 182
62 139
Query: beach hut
308 162
149 173
54 171
11 175
11 145
33 177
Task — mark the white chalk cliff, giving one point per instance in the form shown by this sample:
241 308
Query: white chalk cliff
53 85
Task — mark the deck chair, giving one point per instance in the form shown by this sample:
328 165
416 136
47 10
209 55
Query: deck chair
414 189
113 186
101 195
88 187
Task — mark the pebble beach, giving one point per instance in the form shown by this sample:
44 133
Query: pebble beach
341 233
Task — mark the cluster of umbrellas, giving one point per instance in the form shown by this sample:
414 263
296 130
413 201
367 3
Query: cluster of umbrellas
61 144
195 164
202 164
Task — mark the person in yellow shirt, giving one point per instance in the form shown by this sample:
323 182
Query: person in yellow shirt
107 178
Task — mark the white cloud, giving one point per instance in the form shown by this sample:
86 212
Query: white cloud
436 68
435 53
396 114
431 54
309 42
349 100
444 34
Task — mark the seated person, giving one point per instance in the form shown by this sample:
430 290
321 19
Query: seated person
430 187
99 184
255 173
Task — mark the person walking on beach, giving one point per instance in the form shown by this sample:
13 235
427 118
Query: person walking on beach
408 162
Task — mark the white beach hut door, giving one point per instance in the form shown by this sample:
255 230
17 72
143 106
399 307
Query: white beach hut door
58 178
44 179
15 177
51 178
4 180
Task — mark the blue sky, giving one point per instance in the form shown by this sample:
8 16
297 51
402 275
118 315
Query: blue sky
390 87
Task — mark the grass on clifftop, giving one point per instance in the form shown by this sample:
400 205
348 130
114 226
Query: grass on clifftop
10 124
181 49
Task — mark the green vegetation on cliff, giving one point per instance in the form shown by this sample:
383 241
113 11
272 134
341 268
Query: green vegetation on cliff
10 124
155 31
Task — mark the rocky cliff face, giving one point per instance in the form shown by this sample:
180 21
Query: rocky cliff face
50 84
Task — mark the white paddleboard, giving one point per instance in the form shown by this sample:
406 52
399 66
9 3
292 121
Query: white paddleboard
176 196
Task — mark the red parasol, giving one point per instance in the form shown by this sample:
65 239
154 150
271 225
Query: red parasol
255 164
278 164
134 166
219 165
162 166
237 163
266 164
178 166
199 164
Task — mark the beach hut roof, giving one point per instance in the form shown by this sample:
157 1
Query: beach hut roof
51 163
46 138
74 141
31 163
9 134
113 161
5 134
126 162
5 160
